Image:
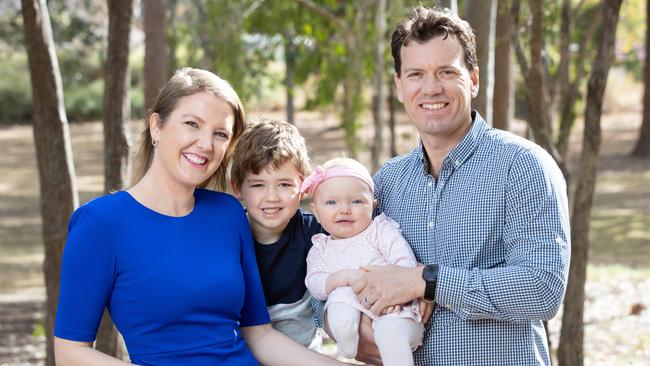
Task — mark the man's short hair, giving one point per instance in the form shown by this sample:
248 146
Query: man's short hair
268 143
423 24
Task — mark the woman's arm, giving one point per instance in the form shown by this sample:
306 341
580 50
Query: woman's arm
271 347
72 353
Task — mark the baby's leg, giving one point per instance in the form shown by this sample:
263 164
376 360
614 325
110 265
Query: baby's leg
396 338
343 321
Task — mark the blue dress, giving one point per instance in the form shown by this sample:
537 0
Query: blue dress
177 288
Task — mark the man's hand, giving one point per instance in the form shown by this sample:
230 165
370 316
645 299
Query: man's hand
391 309
382 286
367 351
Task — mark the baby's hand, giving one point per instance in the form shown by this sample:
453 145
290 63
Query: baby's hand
392 309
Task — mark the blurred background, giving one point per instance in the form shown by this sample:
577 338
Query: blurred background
572 75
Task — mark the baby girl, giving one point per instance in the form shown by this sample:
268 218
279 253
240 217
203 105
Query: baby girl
343 203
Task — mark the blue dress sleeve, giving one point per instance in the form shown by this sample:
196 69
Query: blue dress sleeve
254 309
87 277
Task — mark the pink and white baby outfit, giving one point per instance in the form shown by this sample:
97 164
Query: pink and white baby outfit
381 243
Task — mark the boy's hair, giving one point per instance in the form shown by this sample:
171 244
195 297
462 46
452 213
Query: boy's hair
268 143
424 24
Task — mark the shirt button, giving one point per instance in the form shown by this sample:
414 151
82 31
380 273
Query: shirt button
431 224
457 163
429 184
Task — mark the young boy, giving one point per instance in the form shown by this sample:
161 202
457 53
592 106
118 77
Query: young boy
270 162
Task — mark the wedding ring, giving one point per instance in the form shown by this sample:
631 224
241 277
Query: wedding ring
365 300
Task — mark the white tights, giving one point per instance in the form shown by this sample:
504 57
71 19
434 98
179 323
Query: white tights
395 337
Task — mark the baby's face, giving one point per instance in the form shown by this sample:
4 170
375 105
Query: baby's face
343 205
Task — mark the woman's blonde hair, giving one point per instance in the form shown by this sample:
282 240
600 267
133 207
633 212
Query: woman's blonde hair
185 82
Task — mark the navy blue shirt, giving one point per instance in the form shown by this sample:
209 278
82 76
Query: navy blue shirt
283 264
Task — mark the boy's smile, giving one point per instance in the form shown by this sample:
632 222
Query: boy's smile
271 199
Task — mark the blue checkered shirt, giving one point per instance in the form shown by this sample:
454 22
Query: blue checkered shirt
496 221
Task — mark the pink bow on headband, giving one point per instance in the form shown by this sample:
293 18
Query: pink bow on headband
320 174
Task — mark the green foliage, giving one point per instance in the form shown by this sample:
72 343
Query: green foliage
630 36
39 330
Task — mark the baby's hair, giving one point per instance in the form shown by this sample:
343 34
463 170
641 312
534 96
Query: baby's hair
268 143
344 162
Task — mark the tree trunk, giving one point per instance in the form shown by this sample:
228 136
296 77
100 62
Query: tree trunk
155 49
391 118
290 54
503 102
481 14
450 4
570 93
570 352
380 85
642 147
539 115
58 191
172 38
116 115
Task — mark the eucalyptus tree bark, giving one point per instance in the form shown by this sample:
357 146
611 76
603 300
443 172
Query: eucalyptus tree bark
155 49
290 54
481 14
58 191
539 117
172 37
116 115
379 84
570 89
503 102
391 101
570 351
642 147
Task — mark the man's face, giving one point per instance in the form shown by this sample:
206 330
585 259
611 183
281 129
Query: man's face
436 88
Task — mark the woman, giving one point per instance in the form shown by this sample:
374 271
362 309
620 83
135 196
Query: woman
172 262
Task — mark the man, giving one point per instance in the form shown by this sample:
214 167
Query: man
485 211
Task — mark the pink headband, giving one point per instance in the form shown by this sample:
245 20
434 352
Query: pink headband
321 174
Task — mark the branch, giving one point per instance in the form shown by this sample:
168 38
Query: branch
322 11
516 43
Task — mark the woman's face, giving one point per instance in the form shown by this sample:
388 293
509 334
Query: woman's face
193 140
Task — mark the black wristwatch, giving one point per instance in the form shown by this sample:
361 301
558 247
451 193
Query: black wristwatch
430 276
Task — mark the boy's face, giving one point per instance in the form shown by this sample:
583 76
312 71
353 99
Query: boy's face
271 199
343 206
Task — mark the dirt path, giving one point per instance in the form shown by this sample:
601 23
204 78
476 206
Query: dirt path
618 279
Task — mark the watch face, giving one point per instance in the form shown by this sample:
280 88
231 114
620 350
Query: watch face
430 273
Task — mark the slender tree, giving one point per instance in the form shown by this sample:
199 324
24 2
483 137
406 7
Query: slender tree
116 114
451 4
570 351
58 192
540 118
155 48
642 147
349 20
503 102
379 98
481 14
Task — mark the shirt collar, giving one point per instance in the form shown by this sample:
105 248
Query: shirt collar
465 148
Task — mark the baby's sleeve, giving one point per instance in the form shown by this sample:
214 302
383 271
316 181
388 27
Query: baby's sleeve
317 269
392 245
